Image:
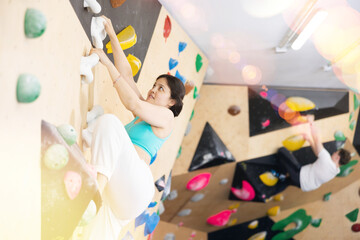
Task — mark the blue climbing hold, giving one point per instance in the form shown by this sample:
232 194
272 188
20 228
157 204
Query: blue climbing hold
182 46
152 204
173 63
182 78
151 224
141 219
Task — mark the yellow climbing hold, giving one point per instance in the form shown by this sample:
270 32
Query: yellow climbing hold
258 236
135 63
268 199
127 38
268 179
294 142
299 104
232 222
279 197
234 206
254 224
273 211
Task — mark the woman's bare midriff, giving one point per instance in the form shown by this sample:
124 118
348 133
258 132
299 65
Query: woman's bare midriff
142 154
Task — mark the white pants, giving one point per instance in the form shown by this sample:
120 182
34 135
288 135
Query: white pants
130 186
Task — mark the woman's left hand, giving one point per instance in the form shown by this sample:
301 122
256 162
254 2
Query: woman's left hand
102 56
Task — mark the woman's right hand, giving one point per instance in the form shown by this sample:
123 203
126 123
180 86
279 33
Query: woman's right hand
109 27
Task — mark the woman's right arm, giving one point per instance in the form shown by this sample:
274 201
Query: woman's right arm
121 63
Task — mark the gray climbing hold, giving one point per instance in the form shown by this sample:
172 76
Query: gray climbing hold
224 181
173 194
68 133
184 212
169 236
197 197
188 129
28 88
161 208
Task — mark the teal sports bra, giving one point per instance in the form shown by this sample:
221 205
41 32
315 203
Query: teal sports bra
142 135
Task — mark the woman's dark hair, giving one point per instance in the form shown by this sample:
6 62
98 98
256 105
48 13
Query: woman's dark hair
177 89
344 156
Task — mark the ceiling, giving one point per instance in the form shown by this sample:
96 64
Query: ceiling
239 38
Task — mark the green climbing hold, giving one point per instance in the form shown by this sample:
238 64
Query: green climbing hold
299 218
352 216
35 23
192 115
198 62
28 88
351 116
316 222
346 169
56 157
68 133
326 197
352 125
339 136
356 102
179 153
196 94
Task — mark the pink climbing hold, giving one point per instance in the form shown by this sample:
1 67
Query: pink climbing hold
266 123
72 182
246 193
355 227
263 94
198 182
220 219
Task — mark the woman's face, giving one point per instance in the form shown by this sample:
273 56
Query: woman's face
160 94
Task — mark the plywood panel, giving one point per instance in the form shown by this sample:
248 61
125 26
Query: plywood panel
179 232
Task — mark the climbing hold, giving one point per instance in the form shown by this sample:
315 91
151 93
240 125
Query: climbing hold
169 236
167 27
265 123
135 63
339 136
258 236
193 234
220 219
56 157
198 62
279 197
93 5
89 214
161 208
346 169
316 222
27 89
72 182
182 46
326 197
196 94
198 182
173 194
268 199
179 152
246 193
234 206
351 115
254 224
224 181
184 212
197 197
86 64
117 3
299 104
68 133
353 215
179 76
273 211
98 32
160 183
152 204
234 110
299 218
232 222
294 142
173 63
355 227
34 23
151 223
352 125
127 38
268 179
356 102
128 236
141 219
188 129
189 85
192 115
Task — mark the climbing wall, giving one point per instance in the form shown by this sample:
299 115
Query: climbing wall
54 58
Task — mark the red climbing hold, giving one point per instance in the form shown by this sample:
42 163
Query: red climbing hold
355 227
167 27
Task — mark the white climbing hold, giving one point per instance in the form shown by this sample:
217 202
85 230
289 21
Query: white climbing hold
86 64
93 5
184 212
197 197
98 32
173 194
224 181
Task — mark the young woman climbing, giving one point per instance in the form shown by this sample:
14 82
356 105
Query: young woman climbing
121 154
